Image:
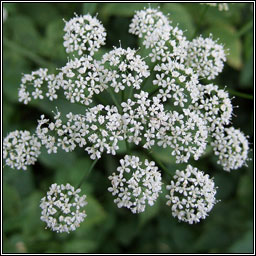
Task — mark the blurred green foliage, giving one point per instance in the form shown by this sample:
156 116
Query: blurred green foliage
32 38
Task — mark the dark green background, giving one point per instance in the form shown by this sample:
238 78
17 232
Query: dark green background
32 38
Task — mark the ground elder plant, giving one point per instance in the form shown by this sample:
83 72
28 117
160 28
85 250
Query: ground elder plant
181 112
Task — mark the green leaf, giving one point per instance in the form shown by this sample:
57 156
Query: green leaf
53 38
21 180
42 15
14 66
73 173
80 246
89 8
227 36
149 213
179 16
245 191
244 244
122 9
28 38
57 160
32 225
225 184
126 230
95 214
11 201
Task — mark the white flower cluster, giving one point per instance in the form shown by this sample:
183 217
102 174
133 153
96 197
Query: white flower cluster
206 57
177 83
62 208
192 195
100 127
180 113
33 86
147 122
84 34
221 6
231 147
105 130
68 135
20 149
151 24
214 106
81 78
124 69
157 33
135 184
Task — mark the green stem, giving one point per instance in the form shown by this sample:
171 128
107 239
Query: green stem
122 95
114 99
153 92
240 94
27 53
159 163
87 173
127 146
130 93
245 29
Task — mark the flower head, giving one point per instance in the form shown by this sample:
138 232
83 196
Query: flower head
81 78
213 105
151 24
192 195
206 57
124 68
32 86
231 147
62 208
84 34
21 149
135 184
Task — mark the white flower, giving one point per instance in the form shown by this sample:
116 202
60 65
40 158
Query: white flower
192 195
157 33
124 69
135 184
221 6
213 105
81 78
66 135
105 130
21 149
231 147
62 208
34 86
84 34
178 86
151 24
206 57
